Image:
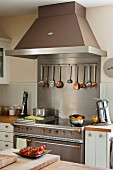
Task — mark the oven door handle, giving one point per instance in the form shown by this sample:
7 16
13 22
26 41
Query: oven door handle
73 146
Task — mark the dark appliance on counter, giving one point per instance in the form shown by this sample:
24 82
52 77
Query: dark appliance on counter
58 135
103 111
24 104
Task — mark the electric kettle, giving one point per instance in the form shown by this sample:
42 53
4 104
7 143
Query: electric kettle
103 111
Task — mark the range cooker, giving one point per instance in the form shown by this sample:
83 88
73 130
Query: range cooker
57 134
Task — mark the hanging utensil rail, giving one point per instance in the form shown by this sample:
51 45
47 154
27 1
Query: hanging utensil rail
63 65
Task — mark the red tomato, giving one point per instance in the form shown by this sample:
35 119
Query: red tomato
41 148
44 146
28 153
38 153
23 150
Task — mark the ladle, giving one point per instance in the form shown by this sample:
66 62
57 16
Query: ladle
83 85
76 85
52 82
46 81
95 69
89 83
41 83
70 80
59 84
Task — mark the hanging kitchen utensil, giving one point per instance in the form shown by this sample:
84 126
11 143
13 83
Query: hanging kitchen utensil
52 82
70 80
41 83
83 85
47 74
76 85
59 84
89 83
95 69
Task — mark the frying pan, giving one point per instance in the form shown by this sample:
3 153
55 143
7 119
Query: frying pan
83 85
76 85
59 84
94 83
41 83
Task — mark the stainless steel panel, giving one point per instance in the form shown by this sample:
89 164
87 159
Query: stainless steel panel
34 53
66 99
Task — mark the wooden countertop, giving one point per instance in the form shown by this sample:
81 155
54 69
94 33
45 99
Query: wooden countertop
64 165
107 128
8 119
31 164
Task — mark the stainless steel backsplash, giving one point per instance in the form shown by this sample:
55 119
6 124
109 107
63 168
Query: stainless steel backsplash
66 100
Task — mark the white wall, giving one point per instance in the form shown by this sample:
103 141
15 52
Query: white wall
100 20
22 70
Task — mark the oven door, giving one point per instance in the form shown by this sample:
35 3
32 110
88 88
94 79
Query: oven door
73 152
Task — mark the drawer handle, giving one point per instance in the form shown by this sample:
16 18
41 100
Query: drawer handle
6 145
28 140
73 146
6 126
89 134
100 136
6 136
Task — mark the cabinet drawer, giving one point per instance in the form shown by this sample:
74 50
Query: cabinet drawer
7 127
6 136
5 145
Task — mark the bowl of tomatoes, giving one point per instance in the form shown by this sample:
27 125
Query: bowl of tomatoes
76 119
33 152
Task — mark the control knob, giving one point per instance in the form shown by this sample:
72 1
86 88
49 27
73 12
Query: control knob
49 130
17 127
27 128
43 130
63 132
70 133
56 131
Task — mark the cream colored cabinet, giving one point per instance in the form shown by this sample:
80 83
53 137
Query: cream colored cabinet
4 61
6 136
97 148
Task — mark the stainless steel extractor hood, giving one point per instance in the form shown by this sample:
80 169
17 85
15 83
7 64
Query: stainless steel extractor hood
59 28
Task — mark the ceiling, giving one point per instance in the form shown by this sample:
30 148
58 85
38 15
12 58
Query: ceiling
20 7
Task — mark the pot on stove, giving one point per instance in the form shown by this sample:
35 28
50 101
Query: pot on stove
40 112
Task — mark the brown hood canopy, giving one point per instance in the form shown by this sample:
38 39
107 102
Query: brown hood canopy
57 26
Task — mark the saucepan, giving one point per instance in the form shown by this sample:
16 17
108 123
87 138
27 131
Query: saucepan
40 112
76 119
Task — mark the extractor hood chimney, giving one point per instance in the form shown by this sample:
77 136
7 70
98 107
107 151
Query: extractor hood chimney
59 28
